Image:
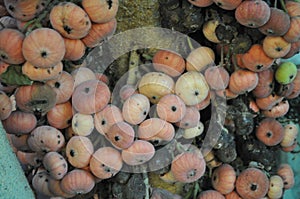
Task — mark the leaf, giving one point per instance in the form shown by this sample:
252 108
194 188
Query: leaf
14 76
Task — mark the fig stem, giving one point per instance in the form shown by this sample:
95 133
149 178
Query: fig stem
222 55
190 43
196 190
283 6
133 70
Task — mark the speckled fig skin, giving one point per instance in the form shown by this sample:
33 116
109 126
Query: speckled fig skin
154 85
171 108
19 123
138 153
135 109
278 23
252 183
90 96
228 4
270 132
121 135
70 20
79 150
77 181
55 164
191 87
46 138
106 162
253 14
242 81
265 84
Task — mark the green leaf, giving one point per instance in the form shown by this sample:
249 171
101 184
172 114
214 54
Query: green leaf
14 76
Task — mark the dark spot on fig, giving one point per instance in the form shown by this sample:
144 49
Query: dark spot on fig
270 31
4 56
253 187
269 134
258 67
44 54
173 108
72 153
67 29
214 178
86 90
56 84
155 142
117 138
109 2
45 151
11 8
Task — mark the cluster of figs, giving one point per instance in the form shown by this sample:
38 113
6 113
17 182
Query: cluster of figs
75 132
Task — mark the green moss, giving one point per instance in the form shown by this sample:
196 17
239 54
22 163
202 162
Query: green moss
155 181
137 14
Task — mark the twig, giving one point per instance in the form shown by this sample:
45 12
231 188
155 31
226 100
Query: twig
147 185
